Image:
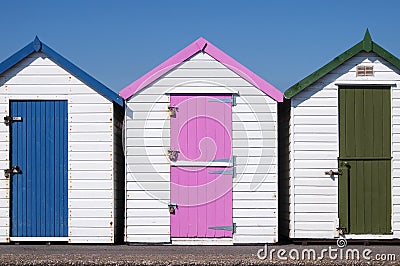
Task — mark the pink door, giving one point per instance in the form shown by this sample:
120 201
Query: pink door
201 170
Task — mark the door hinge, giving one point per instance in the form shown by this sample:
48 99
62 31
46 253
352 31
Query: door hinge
224 172
225 228
9 119
225 100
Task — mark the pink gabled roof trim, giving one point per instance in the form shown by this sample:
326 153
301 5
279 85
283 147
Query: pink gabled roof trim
202 45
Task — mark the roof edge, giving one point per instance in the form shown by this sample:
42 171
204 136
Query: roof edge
366 45
201 45
38 46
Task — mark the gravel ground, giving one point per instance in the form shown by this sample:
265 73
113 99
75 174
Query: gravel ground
174 255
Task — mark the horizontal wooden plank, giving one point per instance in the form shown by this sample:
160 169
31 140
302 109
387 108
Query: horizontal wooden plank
269 230
90 165
40 79
315 111
326 181
90 127
173 81
307 190
256 186
315 146
78 108
254 221
256 179
91 213
149 213
92 98
201 73
148 186
78 231
150 203
252 203
310 199
90 118
90 146
255 212
315 120
316 208
146 177
149 168
91 239
148 142
91 184
253 143
254 195
253 239
90 156
89 136
201 64
149 238
90 203
243 135
83 175
148 221
91 222
90 194
133 160
313 217
315 164
148 195
315 130
150 133
147 230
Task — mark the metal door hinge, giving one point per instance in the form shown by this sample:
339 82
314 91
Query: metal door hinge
225 228
225 100
9 119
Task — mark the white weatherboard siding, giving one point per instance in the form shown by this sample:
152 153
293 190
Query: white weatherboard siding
254 144
314 141
90 148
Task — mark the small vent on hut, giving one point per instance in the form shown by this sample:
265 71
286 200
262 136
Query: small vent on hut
365 71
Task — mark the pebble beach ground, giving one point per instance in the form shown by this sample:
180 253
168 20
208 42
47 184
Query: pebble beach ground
174 255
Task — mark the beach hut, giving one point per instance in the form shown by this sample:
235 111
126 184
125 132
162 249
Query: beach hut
201 152
61 151
344 159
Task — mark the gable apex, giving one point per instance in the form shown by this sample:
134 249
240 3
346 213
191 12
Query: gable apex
38 46
366 45
201 45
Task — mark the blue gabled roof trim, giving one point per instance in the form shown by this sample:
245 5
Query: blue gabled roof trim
38 46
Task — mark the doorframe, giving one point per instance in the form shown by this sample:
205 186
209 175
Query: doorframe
202 240
8 99
367 84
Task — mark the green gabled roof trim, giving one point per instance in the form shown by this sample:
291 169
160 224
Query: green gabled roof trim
366 45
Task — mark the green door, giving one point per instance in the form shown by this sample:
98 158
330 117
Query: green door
365 197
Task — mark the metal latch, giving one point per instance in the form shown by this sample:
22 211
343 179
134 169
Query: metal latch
172 111
172 207
333 173
9 119
14 170
173 155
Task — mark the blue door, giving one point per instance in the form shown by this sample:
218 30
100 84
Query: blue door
39 161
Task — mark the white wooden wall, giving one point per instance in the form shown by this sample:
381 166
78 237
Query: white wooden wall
90 147
314 148
254 144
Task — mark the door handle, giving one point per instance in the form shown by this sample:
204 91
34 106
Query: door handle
333 173
13 170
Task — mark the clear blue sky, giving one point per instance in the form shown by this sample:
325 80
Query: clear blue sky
118 41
